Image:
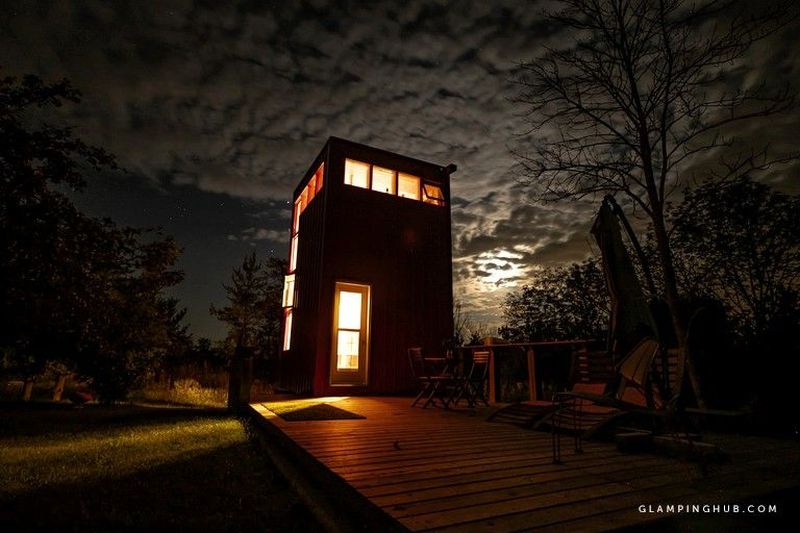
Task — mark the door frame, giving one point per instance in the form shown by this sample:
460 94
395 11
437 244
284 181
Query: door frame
359 377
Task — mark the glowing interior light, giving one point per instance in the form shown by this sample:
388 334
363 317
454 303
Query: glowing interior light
287 329
311 188
383 180
349 334
408 186
297 211
356 173
349 310
293 254
320 175
388 181
433 194
288 291
347 350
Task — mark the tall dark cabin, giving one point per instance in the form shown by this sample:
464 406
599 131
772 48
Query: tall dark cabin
370 271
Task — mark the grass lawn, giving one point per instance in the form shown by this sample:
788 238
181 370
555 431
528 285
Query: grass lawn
138 468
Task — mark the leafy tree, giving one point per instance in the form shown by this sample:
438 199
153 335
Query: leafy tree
642 92
270 334
179 341
76 290
136 327
253 313
204 351
41 232
739 241
565 303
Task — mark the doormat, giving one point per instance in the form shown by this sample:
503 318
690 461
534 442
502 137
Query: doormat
299 410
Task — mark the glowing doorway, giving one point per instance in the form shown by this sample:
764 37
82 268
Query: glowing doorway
350 348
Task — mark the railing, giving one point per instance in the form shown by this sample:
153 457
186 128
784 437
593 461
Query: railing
529 348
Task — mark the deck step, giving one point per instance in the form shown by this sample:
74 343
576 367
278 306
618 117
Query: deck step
519 414
688 447
633 441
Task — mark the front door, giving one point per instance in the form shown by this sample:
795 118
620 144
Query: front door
350 334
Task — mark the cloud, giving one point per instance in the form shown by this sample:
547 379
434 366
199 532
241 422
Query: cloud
261 234
238 100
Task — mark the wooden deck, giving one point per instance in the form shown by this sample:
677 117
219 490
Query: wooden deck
450 470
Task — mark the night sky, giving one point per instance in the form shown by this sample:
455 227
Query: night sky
217 111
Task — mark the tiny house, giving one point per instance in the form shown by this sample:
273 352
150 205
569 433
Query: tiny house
370 271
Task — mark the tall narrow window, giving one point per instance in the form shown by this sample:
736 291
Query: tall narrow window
408 186
320 176
301 202
432 194
293 253
383 180
288 291
312 188
287 328
296 217
356 173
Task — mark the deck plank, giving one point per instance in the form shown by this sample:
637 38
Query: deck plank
434 469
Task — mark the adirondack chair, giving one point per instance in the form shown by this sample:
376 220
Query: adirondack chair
583 414
592 373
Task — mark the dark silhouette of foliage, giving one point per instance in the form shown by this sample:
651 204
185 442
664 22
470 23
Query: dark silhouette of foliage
253 313
565 303
642 94
76 290
274 271
739 243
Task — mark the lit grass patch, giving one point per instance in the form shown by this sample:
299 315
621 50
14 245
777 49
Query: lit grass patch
33 462
132 468
185 392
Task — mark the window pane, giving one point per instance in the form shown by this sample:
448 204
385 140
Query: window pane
383 180
302 200
288 291
312 188
356 173
349 310
347 350
432 194
296 218
408 186
293 254
287 329
319 175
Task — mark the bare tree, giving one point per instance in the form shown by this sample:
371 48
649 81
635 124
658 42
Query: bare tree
465 330
639 98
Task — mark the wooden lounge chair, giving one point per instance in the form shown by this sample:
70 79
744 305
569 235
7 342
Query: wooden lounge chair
592 372
528 413
584 414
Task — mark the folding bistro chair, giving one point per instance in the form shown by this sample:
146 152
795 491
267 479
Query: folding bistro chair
473 386
432 384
